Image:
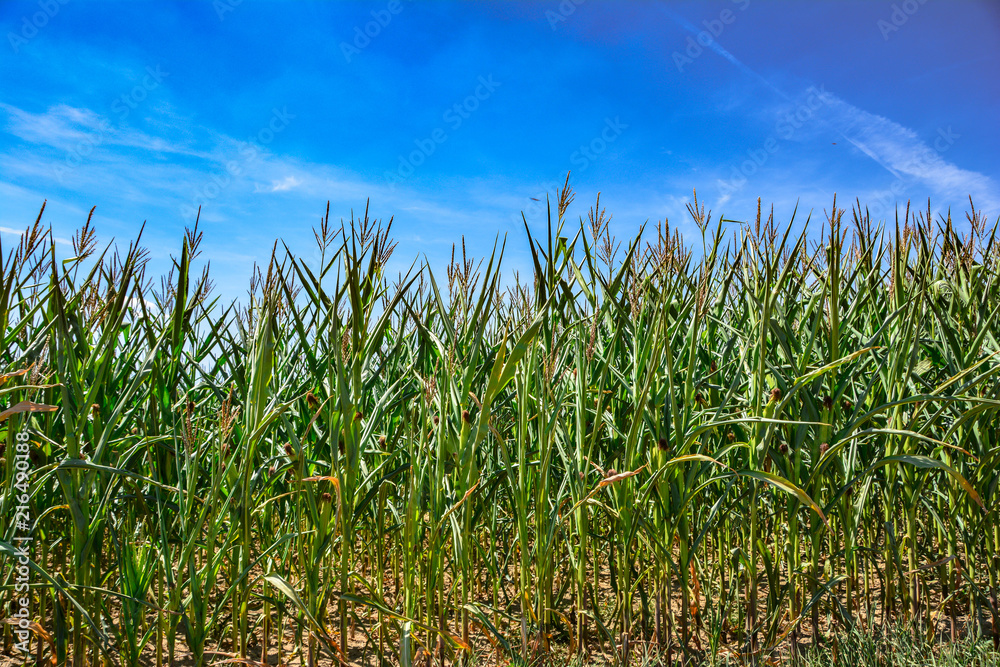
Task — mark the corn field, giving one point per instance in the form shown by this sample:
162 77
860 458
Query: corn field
735 445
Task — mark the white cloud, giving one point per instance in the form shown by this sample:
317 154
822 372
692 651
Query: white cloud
284 185
898 149
83 131
10 231
901 151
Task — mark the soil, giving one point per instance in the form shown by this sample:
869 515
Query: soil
553 649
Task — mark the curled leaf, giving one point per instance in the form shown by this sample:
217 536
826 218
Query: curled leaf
619 477
26 406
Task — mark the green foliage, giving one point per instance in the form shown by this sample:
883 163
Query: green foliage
772 447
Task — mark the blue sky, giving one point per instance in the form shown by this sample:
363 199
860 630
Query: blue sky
452 117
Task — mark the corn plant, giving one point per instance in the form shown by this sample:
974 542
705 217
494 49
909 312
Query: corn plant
766 442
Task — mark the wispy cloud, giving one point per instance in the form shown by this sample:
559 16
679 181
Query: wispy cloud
285 184
904 153
66 128
897 149
10 231
175 177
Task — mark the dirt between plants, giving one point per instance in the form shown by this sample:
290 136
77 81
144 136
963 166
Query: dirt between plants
553 649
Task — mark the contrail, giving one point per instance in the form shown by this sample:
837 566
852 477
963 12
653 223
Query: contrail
889 144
